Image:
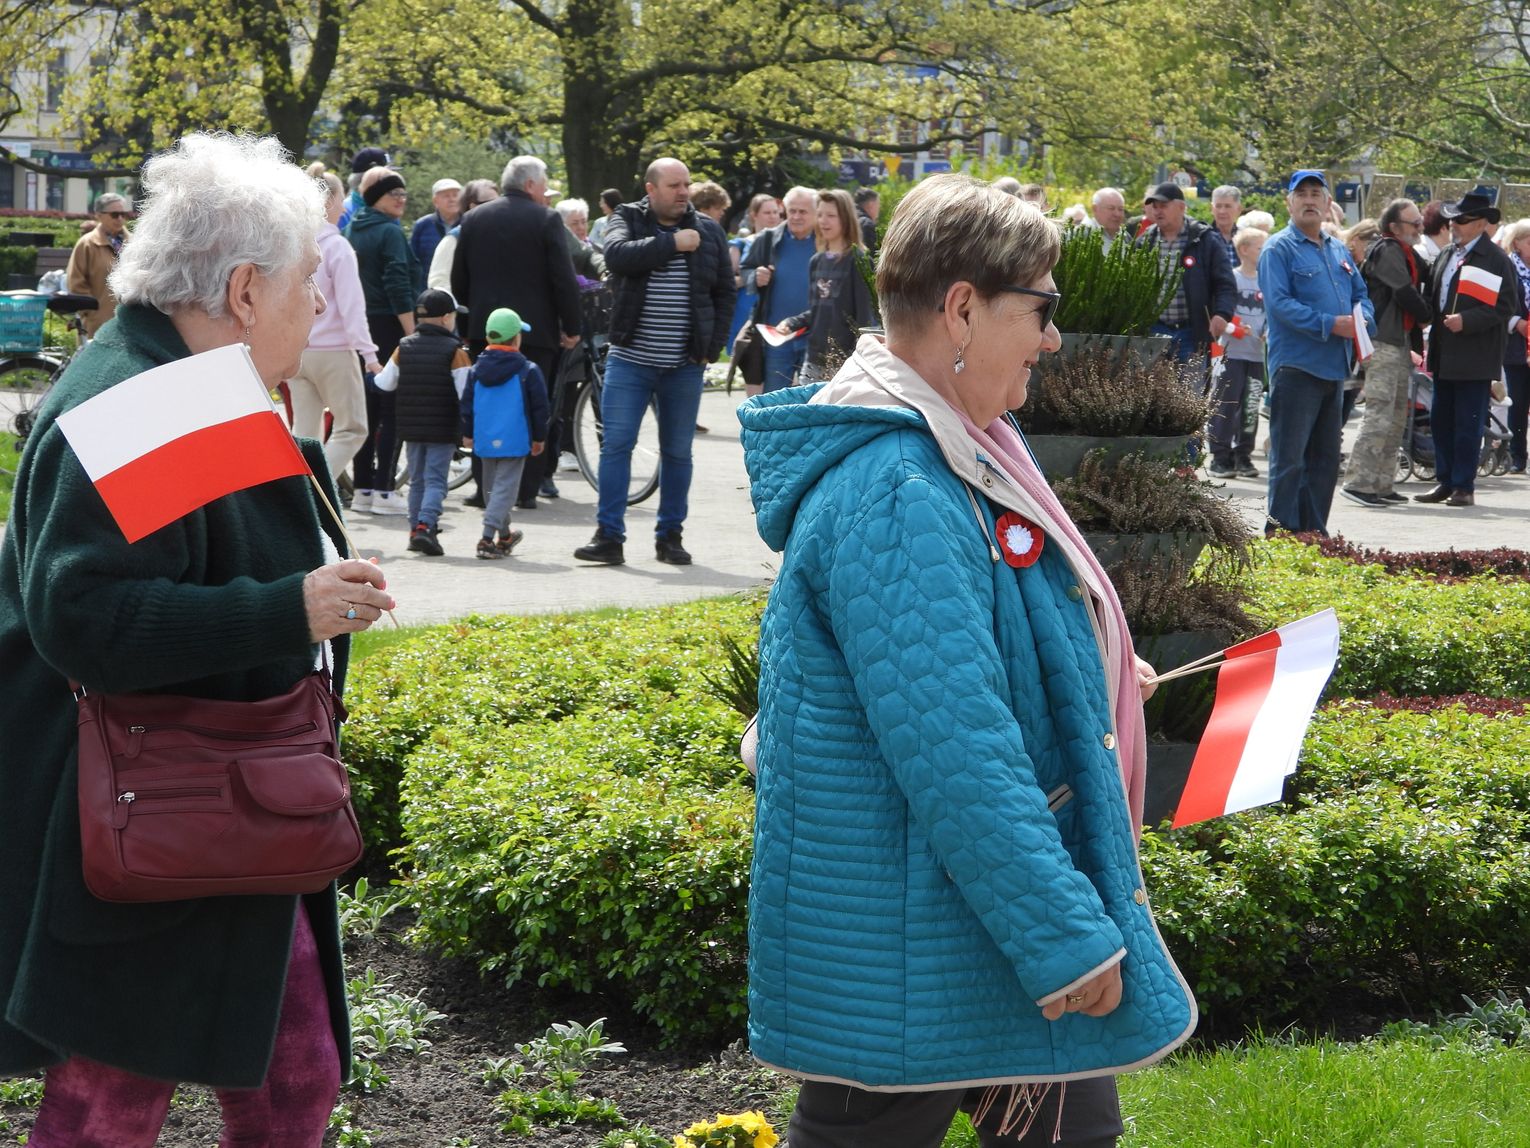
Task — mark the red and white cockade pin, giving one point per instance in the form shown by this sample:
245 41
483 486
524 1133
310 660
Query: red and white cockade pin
1189 260
1020 540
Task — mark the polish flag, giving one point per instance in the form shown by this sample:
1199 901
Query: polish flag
776 337
1267 689
1236 327
169 441
1479 284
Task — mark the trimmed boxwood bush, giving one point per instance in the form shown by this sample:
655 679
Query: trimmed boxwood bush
1405 634
1400 870
504 671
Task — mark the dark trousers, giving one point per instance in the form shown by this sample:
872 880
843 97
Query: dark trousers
377 461
1455 420
1305 423
839 1116
1518 379
541 466
1230 435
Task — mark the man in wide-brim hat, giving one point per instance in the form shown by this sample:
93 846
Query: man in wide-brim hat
1474 291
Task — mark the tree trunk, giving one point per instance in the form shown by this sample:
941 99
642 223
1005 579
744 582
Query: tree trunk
597 152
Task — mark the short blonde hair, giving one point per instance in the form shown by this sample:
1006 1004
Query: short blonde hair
1248 235
1512 233
707 195
953 229
1263 220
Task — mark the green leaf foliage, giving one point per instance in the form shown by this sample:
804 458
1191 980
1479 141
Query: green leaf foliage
1404 634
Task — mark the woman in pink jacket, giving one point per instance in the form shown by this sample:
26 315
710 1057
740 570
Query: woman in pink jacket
331 373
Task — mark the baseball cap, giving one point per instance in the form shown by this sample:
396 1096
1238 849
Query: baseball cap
434 303
504 325
368 158
1164 192
444 185
1300 177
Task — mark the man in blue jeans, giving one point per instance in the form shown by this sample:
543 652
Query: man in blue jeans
1311 288
673 293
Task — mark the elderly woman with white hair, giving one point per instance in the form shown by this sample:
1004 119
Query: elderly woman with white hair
233 602
946 909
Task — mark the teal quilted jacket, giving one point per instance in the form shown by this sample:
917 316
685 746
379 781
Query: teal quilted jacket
942 836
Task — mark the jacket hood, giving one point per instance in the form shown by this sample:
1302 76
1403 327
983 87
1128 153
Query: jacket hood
791 442
368 218
496 368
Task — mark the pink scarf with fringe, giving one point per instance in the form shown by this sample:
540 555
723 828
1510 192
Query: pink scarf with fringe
1003 445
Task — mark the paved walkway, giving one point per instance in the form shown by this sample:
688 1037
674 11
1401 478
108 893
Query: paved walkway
543 576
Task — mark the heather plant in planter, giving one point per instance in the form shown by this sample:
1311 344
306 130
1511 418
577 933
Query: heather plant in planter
1103 392
1117 292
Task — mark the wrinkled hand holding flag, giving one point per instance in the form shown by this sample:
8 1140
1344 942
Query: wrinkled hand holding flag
1267 688
167 442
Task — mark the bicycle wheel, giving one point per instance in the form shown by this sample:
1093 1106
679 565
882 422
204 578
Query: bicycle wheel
1404 466
461 469
24 380
587 438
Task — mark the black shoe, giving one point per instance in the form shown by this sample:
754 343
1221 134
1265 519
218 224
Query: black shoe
1461 498
1438 494
1393 496
474 500
603 549
1221 470
1247 470
526 504
488 549
423 540
548 489
508 542
667 548
1363 497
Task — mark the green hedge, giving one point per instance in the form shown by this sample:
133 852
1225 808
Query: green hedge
1400 633
1401 869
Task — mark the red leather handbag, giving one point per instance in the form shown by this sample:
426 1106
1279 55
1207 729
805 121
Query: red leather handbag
186 797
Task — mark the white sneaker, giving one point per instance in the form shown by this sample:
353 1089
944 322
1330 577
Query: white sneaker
388 502
361 502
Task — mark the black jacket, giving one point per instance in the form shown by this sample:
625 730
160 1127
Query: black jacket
1210 288
635 245
1394 276
1477 352
426 407
514 253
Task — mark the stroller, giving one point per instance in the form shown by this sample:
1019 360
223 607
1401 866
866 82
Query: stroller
1415 458
1495 440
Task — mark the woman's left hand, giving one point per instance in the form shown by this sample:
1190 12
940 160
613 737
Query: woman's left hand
344 597
1095 997
1145 673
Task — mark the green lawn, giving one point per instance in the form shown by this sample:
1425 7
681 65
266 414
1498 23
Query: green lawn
8 460
1380 1094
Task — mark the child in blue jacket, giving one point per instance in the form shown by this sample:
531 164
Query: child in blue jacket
504 419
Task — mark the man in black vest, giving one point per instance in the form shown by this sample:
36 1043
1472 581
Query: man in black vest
514 253
1474 291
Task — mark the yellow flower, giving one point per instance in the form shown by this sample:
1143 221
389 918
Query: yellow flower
766 1137
683 1141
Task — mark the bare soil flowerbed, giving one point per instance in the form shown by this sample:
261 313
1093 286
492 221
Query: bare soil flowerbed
438 1099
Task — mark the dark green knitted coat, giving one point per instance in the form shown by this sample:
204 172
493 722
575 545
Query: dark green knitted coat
211 606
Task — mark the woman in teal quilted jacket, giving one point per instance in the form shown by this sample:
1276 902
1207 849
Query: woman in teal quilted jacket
947 908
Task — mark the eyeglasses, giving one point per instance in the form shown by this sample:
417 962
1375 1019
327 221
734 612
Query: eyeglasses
1419 222
117 214
399 193
1048 310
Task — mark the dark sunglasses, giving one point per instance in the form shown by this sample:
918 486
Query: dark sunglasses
1049 308
117 214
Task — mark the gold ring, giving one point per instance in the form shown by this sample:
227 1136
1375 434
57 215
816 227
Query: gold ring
1074 998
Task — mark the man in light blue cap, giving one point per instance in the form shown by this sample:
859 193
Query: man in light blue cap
1311 288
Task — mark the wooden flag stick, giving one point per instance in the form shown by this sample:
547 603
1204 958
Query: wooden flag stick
344 533
1210 661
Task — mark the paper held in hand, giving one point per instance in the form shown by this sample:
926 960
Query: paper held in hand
776 337
1364 347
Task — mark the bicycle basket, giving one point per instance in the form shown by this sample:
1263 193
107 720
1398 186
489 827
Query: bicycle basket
21 322
595 307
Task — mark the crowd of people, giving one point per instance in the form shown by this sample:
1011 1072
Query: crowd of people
1439 290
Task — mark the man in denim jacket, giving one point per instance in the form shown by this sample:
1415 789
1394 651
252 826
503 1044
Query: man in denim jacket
1311 288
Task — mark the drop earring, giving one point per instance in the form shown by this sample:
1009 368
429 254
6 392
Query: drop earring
960 365
247 335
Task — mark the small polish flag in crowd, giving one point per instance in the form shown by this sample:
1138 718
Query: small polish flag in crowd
169 441
1236 328
1479 284
1267 689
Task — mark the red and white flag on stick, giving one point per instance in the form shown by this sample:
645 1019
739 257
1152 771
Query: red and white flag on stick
1267 688
1480 285
169 441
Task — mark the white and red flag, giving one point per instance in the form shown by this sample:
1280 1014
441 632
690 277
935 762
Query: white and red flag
1479 284
1267 688
776 337
169 441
